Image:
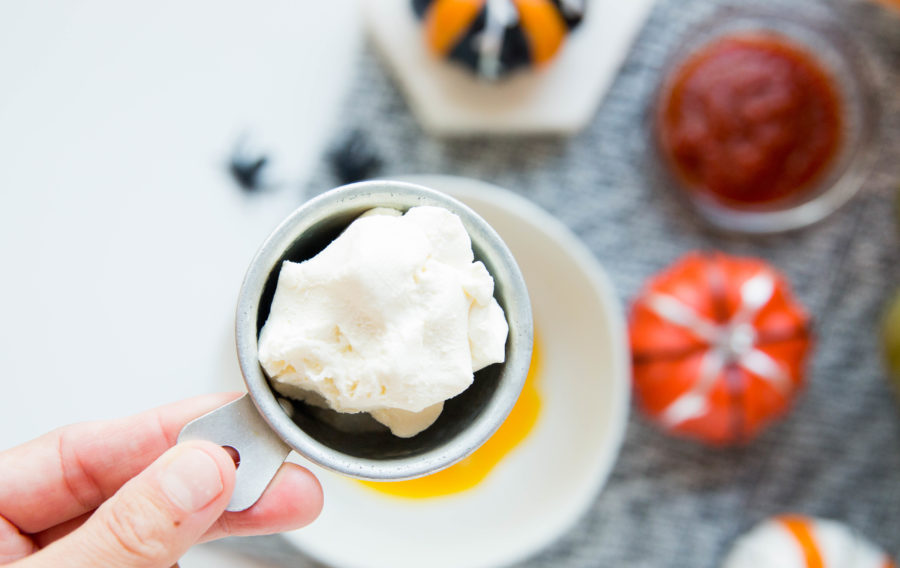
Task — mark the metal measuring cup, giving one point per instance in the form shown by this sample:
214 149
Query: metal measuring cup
264 430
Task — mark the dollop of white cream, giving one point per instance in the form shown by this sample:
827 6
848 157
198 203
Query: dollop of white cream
393 318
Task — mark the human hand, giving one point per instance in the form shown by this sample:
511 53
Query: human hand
118 493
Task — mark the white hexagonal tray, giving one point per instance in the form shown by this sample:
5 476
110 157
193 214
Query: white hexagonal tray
559 98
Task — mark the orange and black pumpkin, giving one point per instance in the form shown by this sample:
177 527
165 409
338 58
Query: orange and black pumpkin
494 37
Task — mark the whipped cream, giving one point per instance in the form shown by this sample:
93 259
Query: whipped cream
392 318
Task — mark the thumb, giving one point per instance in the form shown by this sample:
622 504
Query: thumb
155 517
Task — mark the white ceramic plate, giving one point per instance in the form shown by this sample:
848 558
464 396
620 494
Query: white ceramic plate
544 485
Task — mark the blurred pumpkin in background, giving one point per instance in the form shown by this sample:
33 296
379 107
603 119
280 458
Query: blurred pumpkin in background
800 541
890 337
494 37
719 347
895 4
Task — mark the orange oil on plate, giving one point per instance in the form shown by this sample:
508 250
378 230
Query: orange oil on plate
472 470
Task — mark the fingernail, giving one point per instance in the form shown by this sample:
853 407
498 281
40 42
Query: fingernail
192 480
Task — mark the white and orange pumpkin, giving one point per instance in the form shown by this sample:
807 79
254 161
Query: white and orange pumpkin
797 541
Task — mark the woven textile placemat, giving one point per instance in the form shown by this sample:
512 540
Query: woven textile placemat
672 503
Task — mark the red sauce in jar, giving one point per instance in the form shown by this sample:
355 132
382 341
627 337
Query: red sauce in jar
751 119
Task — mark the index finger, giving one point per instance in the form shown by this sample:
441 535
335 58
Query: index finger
72 470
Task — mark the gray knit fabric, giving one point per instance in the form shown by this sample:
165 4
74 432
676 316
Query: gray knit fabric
672 503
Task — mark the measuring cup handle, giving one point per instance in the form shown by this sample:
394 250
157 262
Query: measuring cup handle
239 425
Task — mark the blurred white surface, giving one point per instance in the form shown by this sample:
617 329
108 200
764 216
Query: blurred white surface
205 556
124 241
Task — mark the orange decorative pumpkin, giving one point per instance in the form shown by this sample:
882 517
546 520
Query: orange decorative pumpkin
719 347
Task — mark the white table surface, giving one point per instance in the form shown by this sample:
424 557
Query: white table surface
124 241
